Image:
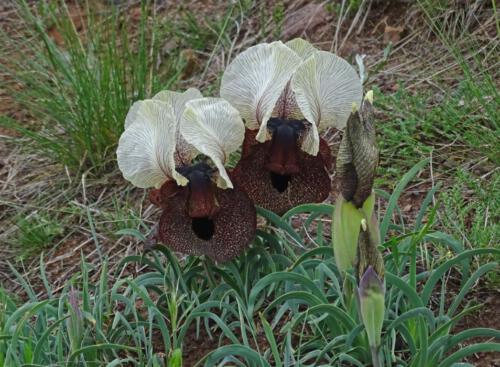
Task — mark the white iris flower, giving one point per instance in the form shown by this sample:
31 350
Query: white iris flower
170 130
291 80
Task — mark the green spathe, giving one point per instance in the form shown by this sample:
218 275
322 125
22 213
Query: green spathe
346 227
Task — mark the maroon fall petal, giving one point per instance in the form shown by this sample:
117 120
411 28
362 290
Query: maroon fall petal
161 196
221 238
279 193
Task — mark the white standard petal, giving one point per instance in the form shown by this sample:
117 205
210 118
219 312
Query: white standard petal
254 81
184 152
146 148
301 47
325 87
214 128
132 114
178 100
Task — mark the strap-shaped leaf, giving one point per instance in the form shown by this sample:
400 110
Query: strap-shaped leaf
214 128
325 88
254 81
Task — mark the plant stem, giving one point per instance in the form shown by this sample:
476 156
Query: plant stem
375 359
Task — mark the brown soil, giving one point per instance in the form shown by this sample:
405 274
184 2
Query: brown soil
488 316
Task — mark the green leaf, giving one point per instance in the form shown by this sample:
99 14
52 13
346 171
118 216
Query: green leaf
469 350
176 359
282 277
96 347
437 274
467 287
277 221
393 201
271 340
245 352
325 209
131 232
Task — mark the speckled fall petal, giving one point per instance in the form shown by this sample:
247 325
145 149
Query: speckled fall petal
233 226
311 185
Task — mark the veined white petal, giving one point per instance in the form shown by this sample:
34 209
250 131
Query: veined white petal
178 100
175 100
184 153
254 81
146 148
214 128
301 47
132 114
310 142
325 87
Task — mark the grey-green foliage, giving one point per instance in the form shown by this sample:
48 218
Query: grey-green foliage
286 288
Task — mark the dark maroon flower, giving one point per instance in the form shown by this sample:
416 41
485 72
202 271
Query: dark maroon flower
205 220
287 94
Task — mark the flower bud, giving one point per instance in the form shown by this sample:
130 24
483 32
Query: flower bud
368 241
357 158
372 305
75 322
176 358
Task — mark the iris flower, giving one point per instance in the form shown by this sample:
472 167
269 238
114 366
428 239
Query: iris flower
287 94
177 144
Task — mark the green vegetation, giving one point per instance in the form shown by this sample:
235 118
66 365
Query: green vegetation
86 69
36 232
277 303
454 122
80 90
479 216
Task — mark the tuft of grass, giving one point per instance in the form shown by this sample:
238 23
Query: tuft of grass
76 75
471 213
460 129
457 119
36 232
278 15
78 69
